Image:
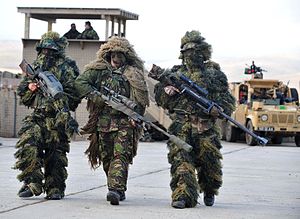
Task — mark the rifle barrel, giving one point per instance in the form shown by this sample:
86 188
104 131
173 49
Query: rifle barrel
206 105
172 138
193 84
261 140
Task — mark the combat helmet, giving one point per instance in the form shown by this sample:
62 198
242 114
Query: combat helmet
194 40
120 44
52 40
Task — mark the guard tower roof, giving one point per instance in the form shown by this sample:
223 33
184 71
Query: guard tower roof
46 13
50 14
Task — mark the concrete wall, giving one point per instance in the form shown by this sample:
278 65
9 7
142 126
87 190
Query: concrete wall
7 114
11 113
82 51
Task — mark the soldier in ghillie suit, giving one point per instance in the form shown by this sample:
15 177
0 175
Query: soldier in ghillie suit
200 169
45 135
89 33
113 135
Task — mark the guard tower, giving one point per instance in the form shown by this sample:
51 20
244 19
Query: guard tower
83 51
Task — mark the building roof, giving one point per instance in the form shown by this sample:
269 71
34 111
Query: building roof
50 13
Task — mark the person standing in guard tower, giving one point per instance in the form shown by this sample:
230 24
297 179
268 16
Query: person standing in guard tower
89 33
72 33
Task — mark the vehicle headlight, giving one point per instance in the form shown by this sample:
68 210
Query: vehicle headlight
264 118
298 118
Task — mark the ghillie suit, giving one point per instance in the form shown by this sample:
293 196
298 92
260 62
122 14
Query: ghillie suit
113 137
199 170
45 135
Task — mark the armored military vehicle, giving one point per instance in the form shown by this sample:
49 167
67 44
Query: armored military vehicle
267 107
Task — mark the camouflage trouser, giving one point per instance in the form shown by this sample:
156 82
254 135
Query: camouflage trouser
41 147
117 151
198 170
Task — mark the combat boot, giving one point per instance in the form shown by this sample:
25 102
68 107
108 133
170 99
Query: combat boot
122 195
114 197
180 203
25 192
209 199
54 196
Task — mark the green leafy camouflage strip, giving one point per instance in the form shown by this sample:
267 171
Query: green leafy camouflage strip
39 147
201 168
210 170
45 134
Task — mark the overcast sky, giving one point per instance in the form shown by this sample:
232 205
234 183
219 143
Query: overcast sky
267 31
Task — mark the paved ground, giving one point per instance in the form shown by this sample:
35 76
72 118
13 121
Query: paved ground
259 182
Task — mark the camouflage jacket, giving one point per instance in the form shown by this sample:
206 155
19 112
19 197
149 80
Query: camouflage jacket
66 72
94 79
89 34
213 80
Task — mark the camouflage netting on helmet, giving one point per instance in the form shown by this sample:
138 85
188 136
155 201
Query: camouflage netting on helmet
52 40
120 44
134 71
194 40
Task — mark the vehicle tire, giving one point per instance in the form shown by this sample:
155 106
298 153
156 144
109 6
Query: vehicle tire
294 94
231 132
249 139
297 140
277 139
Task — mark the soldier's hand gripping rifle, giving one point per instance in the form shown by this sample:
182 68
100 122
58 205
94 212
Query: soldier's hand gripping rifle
52 88
47 82
197 93
127 106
